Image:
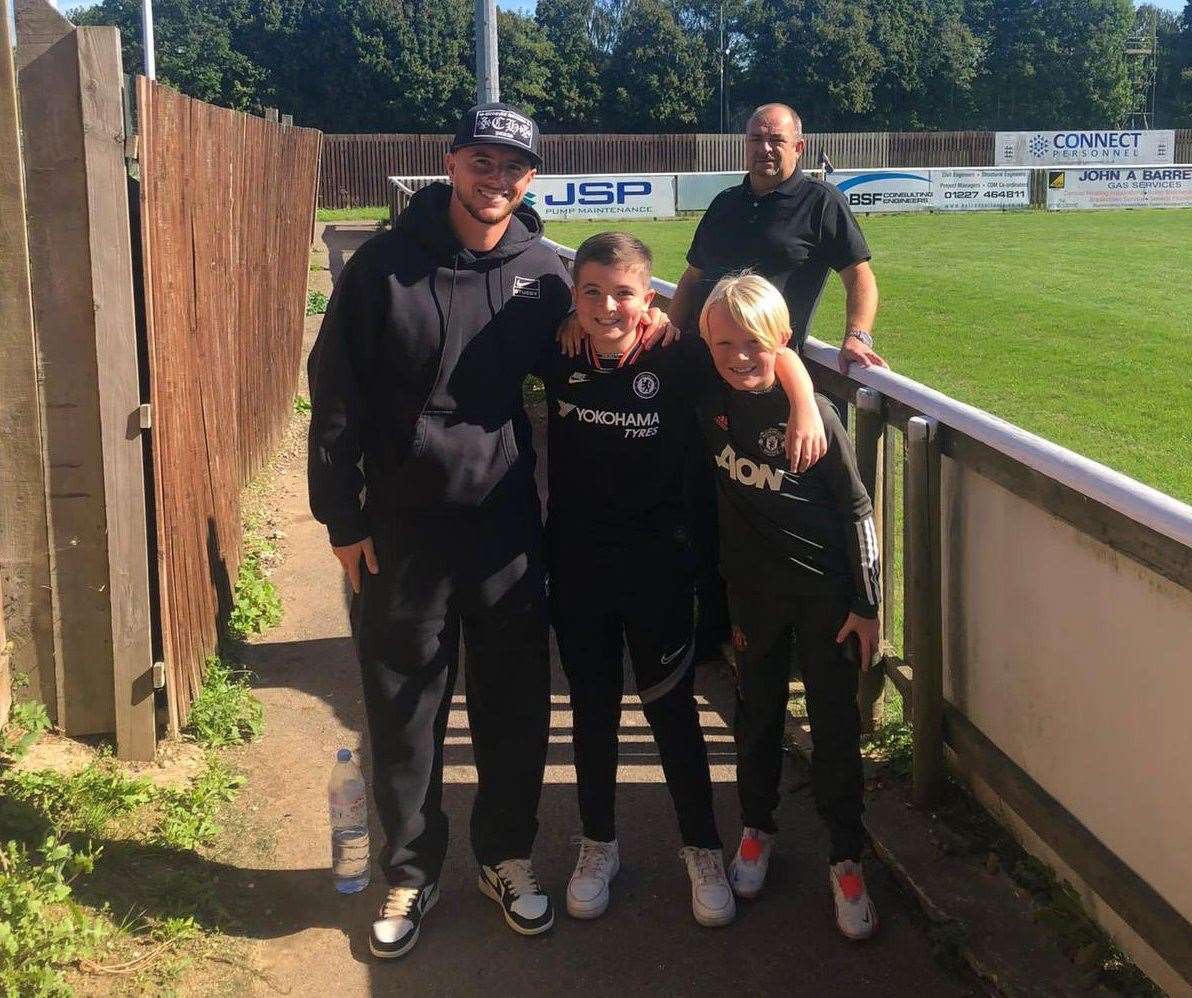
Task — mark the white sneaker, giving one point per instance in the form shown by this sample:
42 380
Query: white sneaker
587 891
747 872
712 900
856 916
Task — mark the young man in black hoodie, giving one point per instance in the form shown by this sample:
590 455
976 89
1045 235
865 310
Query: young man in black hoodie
416 393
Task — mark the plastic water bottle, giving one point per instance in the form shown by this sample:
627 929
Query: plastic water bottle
349 825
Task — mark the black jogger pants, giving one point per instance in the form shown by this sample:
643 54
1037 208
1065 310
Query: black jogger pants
640 599
763 625
479 571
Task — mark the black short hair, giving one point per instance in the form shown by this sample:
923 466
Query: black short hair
613 247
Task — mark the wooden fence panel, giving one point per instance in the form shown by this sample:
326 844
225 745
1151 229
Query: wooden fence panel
24 540
355 166
1183 145
227 202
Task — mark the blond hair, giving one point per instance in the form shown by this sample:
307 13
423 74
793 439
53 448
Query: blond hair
755 305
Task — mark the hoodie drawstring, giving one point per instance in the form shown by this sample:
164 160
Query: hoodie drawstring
434 382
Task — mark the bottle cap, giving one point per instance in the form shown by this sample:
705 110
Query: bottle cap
343 755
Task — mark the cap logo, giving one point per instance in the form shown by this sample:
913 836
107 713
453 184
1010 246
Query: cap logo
507 125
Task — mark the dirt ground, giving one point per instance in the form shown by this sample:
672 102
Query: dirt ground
307 940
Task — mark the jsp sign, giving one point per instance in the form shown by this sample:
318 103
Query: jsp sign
1071 147
608 196
1157 187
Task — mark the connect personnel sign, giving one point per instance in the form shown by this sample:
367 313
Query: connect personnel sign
1056 148
1140 187
604 196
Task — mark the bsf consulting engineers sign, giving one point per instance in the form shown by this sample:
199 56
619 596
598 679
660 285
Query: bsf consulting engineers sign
953 189
1059 148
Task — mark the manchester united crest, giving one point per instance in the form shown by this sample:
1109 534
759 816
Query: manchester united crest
770 441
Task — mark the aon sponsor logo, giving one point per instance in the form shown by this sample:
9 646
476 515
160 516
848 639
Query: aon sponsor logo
745 472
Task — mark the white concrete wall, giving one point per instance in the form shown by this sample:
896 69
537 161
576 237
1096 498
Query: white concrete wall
1077 662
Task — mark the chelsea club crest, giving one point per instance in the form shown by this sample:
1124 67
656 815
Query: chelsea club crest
646 385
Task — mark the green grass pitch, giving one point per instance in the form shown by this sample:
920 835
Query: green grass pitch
1074 325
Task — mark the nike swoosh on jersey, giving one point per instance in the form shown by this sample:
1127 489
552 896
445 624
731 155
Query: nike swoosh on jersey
577 377
667 659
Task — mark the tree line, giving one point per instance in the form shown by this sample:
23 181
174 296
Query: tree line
674 65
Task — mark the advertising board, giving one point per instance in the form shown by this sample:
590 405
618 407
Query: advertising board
884 190
696 190
933 190
1140 187
642 195
1056 148
980 190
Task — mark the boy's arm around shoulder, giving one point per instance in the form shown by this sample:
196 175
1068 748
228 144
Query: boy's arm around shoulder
806 440
839 467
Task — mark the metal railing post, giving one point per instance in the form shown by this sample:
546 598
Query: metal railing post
921 553
871 428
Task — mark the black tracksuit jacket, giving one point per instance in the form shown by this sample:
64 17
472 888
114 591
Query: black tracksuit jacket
418 369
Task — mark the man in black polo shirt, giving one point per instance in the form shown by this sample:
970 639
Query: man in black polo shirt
791 229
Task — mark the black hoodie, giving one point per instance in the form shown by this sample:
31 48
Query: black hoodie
418 368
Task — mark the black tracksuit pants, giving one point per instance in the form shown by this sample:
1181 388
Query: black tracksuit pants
763 625
711 622
480 571
639 596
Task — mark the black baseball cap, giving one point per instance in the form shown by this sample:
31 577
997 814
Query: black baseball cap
499 125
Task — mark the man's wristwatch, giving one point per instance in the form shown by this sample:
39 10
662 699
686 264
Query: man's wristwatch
863 335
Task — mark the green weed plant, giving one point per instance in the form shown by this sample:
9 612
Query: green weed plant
316 303
255 604
188 817
891 742
225 712
42 929
86 804
26 723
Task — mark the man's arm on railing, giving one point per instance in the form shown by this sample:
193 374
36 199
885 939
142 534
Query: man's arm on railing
860 312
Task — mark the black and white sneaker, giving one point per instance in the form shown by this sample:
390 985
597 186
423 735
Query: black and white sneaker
513 885
396 928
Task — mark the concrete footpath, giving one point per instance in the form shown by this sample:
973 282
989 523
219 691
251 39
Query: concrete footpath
313 942
647 943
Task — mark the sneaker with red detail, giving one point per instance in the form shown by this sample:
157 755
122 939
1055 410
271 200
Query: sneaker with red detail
856 916
747 872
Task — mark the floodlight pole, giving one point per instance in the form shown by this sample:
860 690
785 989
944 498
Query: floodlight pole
488 83
722 67
147 38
